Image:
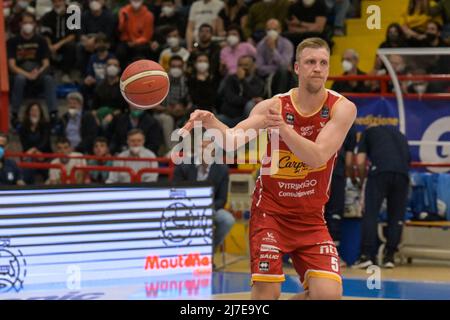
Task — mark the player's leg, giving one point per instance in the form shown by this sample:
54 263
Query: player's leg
317 263
266 257
266 290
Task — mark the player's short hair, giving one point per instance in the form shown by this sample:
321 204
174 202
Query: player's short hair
135 131
314 43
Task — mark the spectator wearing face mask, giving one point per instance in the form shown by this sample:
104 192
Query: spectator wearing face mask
170 17
205 44
260 12
274 59
135 119
350 60
202 84
34 136
10 174
174 48
421 87
233 13
97 19
29 62
136 27
178 90
15 17
63 147
230 54
79 127
395 38
107 93
60 38
398 64
136 149
96 69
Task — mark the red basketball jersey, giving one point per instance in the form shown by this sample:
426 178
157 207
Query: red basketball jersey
293 189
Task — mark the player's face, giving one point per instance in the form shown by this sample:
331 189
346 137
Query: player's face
312 68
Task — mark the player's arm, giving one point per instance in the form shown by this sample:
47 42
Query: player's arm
239 135
317 153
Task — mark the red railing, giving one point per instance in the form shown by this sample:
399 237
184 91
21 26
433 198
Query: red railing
44 165
86 169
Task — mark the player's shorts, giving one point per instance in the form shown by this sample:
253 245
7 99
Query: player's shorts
310 247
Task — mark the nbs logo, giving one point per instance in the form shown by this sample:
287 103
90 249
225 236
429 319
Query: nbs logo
12 267
181 222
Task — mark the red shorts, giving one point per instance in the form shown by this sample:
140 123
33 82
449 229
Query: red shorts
310 247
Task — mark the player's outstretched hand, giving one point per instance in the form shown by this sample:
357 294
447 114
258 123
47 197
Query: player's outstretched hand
202 116
274 118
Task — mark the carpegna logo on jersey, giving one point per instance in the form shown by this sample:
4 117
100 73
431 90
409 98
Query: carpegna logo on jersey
269 256
325 113
291 167
264 266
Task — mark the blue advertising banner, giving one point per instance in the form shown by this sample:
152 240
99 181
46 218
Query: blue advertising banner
427 125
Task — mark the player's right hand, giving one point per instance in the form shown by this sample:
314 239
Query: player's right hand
202 116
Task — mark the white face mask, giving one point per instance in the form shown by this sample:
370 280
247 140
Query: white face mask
28 28
308 3
135 150
136 4
202 66
347 65
420 88
168 11
173 42
232 40
175 72
112 70
72 112
34 120
95 5
272 34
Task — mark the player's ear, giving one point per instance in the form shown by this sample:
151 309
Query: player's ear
296 67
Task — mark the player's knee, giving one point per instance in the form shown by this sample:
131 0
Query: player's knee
266 291
324 293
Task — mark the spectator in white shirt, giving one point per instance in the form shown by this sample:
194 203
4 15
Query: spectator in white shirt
202 11
136 149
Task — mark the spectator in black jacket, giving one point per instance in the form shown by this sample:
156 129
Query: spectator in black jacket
28 60
98 19
202 84
218 176
241 92
107 93
140 119
34 133
80 128
61 39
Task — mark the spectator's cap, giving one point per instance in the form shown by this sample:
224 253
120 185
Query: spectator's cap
76 96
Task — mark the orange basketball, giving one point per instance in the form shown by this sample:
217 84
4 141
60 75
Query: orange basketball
144 84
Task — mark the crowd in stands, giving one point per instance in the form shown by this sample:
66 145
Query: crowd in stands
223 56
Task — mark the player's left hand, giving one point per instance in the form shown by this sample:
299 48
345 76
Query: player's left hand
274 118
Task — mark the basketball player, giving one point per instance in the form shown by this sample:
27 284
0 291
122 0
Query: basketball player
287 214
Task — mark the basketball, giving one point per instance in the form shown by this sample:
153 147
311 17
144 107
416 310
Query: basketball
144 84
